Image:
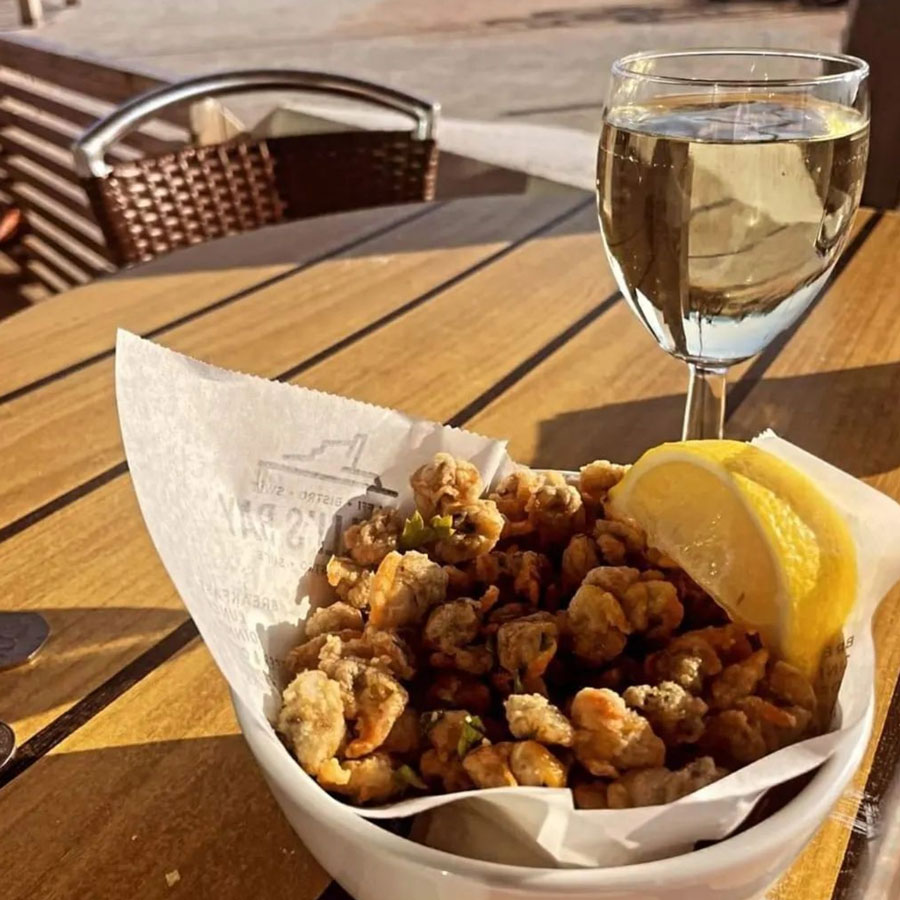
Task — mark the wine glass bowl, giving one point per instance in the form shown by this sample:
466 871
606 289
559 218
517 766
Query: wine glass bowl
727 182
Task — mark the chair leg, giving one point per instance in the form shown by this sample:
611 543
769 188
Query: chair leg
32 12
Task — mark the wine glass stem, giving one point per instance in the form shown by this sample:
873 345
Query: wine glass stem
704 415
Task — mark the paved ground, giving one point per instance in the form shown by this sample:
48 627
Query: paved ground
530 61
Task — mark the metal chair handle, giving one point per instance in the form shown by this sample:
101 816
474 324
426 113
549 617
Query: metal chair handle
89 149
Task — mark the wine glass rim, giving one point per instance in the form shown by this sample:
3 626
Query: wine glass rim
856 67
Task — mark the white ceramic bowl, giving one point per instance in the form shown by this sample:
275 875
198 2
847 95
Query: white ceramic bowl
373 864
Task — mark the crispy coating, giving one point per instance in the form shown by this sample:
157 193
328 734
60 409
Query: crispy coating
596 479
688 660
405 587
458 690
369 541
405 736
649 787
615 579
370 779
515 491
332 619
617 538
477 527
556 510
611 738
534 765
533 717
676 715
590 795
312 719
488 766
579 557
443 483
596 625
738 680
380 700
653 608
753 729
528 644
444 729
382 649
452 624
351 581
446 771
790 686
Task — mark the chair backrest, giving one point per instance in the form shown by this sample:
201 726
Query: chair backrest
150 206
874 34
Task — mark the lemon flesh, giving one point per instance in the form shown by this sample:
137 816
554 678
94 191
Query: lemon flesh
755 533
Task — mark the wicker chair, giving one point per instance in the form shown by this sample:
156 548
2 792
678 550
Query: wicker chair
156 204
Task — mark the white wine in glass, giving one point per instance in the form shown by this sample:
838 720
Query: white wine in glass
727 183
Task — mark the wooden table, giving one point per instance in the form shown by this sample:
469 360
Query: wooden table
131 779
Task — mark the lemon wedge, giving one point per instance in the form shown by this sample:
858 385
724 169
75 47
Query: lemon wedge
755 533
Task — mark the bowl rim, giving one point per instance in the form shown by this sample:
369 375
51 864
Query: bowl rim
805 811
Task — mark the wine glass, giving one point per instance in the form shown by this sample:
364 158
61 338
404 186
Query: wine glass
727 182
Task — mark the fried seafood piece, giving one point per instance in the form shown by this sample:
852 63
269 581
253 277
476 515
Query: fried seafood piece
611 738
444 771
351 581
533 765
675 715
405 736
489 766
738 680
753 729
382 649
458 690
652 607
596 624
312 719
556 510
369 779
650 787
369 541
372 699
526 645
596 479
477 527
579 557
513 494
337 617
617 538
688 660
590 795
789 685
450 631
533 717
526 573
452 732
405 587
445 482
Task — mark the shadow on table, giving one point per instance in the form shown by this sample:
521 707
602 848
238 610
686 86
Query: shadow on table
85 647
446 225
849 418
119 821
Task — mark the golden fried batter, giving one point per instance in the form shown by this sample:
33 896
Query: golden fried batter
611 738
477 526
533 717
534 765
649 787
445 482
312 719
579 557
616 539
338 617
652 608
515 491
369 541
351 581
447 771
597 478
488 766
372 778
528 644
406 586
738 680
789 685
676 715
596 625
556 510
